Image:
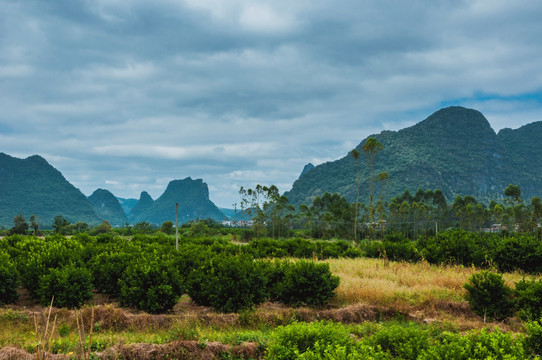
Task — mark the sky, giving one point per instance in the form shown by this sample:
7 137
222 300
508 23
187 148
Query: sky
127 95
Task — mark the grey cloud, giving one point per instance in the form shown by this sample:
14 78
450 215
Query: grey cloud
135 93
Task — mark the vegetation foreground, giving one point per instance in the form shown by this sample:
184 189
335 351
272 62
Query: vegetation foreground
116 297
382 309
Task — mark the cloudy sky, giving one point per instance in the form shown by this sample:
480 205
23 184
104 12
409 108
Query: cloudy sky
127 95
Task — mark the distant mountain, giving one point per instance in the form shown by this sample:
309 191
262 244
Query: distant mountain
193 199
454 150
234 214
32 186
127 205
143 204
107 207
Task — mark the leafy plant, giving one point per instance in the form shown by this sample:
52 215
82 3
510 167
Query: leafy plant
306 283
488 295
9 280
292 341
528 299
229 283
152 285
533 341
70 286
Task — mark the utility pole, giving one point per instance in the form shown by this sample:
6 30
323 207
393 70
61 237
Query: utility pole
177 226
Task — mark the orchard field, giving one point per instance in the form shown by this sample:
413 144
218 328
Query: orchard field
454 295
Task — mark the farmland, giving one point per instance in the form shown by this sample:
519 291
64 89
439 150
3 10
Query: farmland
216 297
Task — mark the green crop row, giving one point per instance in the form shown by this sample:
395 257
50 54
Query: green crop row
328 340
512 252
146 272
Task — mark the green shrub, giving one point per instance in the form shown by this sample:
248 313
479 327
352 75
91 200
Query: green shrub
229 283
404 250
71 286
476 345
9 280
152 285
35 257
107 268
528 299
533 341
488 295
306 283
454 247
523 252
294 340
401 341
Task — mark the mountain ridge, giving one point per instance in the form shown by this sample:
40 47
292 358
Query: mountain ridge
454 149
32 186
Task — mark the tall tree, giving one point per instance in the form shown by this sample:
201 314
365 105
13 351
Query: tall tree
370 149
20 226
35 225
355 155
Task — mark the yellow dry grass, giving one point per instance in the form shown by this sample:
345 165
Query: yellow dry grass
400 284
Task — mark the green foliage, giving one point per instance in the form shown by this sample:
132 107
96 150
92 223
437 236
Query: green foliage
20 226
306 283
294 340
300 248
528 299
107 268
332 341
35 257
71 286
400 341
394 247
143 227
61 225
477 345
522 252
455 247
533 341
9 279
228 283
488 295
150 284
167 227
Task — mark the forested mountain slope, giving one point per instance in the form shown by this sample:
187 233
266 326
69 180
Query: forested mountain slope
455 150
32 186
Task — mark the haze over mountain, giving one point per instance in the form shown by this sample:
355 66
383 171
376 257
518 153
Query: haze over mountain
193 199
127 204
32 186
107 207
455 150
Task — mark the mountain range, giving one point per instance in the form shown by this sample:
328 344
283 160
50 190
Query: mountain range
32 186
454 150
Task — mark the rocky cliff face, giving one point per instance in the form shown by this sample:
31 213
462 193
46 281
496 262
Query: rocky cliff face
193 199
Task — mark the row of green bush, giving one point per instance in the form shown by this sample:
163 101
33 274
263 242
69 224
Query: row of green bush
149 274
328 340
459 247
